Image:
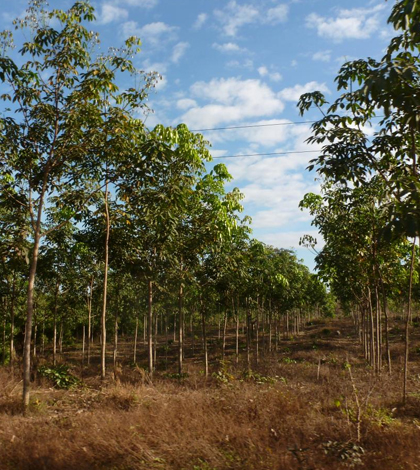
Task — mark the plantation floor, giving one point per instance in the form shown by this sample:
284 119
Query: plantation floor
299 408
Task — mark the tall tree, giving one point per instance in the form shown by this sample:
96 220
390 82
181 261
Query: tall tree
55 134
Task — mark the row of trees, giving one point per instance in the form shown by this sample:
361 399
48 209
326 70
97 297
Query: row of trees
369 211
103 220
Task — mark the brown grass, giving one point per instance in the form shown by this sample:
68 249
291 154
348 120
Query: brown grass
284 417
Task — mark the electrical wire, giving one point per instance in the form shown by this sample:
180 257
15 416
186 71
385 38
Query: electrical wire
254 125
266 154
250 126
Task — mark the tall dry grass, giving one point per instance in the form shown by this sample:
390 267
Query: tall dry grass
298 410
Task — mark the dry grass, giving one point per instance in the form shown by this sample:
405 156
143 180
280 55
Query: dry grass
287 416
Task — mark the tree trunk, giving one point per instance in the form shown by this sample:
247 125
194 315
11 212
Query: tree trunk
224 334
30 313
83 345
388 352
150 328
89 335
257 324
248 335
55 324
155 342
205 349
135 341
115 352
407 322
181 327
4 337
103 316
270 326
12 323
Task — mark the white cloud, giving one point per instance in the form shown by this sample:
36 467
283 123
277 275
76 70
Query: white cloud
357 23
155 34
264 72
186 103
228 48
294 93
111 13
201 19
140 3
274 185
278 217
178 51
277 14
234 16
322 56
231 100
246 64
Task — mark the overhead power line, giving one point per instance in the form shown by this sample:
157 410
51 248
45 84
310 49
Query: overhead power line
254 125
266 154
250 126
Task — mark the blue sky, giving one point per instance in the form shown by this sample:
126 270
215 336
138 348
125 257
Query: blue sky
245 63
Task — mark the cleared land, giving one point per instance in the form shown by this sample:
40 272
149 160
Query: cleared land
301 407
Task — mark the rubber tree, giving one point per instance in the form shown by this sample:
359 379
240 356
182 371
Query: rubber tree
52 135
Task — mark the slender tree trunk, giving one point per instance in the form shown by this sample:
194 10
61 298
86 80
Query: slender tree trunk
257 324
83 345
155 342
205 349
61 337
192 333
407 322
263 315
237 339
236 310
248 335
378 330
150 327
181 327
35 337
43 338
4 337
372 332
105 291
12 323
135 341
30 312
270 326
89 335
115 352
55 324
388 352
224 334
174 327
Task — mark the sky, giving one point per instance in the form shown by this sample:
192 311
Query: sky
243 65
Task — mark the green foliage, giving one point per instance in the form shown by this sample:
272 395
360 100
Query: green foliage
261 379
349 453
176 376
60 376
288 360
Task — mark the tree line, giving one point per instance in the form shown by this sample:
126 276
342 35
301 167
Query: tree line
368 212
110 227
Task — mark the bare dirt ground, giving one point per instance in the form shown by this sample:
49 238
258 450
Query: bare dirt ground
313 404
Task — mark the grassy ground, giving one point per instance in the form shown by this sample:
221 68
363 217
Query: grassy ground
299 408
